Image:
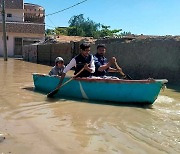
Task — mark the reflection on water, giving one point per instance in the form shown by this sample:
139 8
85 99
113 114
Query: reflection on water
33 123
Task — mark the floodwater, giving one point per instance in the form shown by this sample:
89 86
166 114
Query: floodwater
33 124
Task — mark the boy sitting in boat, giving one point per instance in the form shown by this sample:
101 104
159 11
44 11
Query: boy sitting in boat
101 63
57 70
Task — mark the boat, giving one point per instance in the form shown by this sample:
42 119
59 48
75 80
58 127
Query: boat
111 90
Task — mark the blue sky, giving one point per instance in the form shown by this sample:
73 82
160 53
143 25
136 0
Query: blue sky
148 17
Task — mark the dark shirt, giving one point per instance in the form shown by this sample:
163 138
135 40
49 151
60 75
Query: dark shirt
99 61
80 62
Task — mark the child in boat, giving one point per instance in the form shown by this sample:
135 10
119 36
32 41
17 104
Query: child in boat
58 68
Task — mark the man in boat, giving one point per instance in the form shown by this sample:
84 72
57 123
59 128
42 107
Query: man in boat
83 63
102 66
57 70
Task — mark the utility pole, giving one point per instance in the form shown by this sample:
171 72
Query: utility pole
4 30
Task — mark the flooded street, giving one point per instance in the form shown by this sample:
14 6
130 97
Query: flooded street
34 124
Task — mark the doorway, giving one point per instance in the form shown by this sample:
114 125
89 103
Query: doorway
18 43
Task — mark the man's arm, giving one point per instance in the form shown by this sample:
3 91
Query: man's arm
110 69
90 67
71 64
106 66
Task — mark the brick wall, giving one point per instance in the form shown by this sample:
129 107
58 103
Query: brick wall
13 4
24 28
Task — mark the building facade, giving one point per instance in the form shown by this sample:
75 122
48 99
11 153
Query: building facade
24 25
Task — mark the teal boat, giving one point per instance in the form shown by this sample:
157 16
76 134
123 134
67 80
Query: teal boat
113 90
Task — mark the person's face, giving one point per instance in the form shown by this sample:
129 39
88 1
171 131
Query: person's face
101 51
60 64
85 52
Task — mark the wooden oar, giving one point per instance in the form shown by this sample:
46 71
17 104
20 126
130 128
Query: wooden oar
125 76
52 93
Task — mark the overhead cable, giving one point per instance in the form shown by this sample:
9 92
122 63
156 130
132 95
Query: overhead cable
66 8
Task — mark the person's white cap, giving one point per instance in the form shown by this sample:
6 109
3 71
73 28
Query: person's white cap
59 59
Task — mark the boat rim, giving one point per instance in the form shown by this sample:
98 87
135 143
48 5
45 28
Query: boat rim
95 79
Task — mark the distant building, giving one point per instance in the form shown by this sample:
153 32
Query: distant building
24 25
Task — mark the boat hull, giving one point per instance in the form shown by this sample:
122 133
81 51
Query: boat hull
132 91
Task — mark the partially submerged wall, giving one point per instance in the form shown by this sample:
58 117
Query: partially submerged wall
152 57
46 53
157 57
30 53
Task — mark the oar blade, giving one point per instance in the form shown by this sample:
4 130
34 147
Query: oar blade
52 93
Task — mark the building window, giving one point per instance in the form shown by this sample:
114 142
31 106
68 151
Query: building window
9 15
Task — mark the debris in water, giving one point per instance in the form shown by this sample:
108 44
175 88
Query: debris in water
2 137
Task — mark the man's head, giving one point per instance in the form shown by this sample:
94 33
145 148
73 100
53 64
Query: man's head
101 49
85 49
59 61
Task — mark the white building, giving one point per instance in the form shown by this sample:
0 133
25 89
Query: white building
24 25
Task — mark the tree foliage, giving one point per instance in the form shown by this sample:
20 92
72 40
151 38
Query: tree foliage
61 31
49 32
80 26
105 31
125 33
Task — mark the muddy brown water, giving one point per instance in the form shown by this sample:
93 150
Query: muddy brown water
33 124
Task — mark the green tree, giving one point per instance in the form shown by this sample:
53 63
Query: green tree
49 32
105 31
76 20
125 33
61 31
80 26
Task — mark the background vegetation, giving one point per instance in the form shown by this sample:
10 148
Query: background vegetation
79 26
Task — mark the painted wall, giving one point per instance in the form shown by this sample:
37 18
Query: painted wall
17 15
10 46
10 41
1 45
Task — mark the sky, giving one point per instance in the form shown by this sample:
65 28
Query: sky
148 17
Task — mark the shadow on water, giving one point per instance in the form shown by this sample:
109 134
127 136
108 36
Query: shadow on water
122 104
176 88
29 88
49 100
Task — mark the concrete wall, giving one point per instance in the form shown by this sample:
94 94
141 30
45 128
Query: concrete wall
141 59
46 54
155 58
30 53
63 50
